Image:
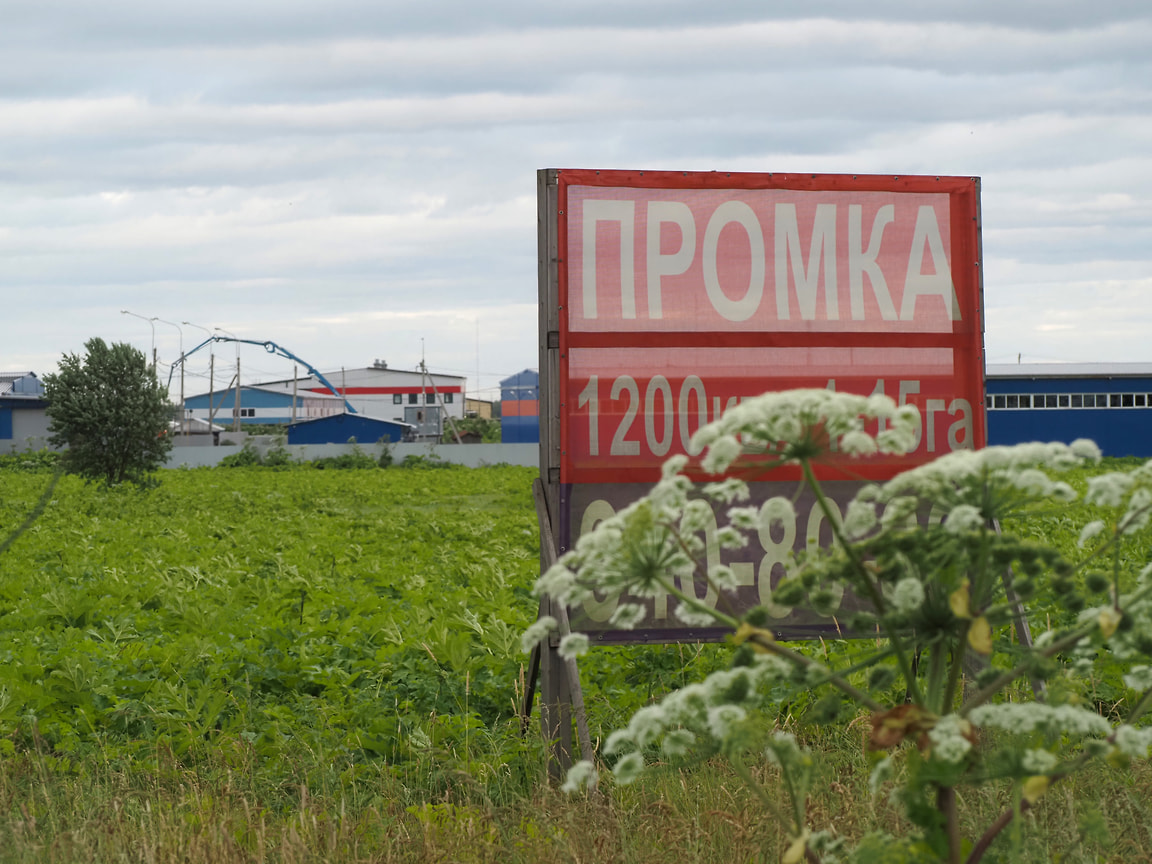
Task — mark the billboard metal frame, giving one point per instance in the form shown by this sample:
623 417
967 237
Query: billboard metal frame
557 339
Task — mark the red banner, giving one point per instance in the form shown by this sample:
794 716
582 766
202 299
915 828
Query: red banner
683 293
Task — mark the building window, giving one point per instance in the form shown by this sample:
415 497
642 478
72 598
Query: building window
1013 402
397 398
987 401
1127 400
1050 400
1063 403
447 398
1139 400
429 398
998 401
413 398
1115 397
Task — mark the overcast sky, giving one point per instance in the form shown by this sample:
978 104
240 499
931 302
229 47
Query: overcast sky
348 179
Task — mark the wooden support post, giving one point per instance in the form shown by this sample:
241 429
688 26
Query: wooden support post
555 710
562 698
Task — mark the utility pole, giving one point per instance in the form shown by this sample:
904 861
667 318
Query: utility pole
183 412
295 385
211 371
211 382
425 376
236 407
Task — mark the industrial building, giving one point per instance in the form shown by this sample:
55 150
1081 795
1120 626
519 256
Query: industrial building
23 412
520 408
391 394
339 428
261 404
1110 403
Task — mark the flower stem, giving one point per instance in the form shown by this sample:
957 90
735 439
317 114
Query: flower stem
876 597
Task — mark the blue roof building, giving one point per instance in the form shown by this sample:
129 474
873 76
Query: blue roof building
1110 403
520 408
263 405
338 428
23 412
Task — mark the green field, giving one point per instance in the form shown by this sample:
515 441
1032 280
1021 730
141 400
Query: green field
300 665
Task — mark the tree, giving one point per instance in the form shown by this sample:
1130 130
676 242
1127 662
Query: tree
110 411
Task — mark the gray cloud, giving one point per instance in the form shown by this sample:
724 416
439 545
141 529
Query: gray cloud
352 177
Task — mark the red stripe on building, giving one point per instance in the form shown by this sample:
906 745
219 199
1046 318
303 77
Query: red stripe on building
388 391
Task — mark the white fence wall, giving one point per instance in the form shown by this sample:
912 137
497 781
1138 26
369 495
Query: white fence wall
472 455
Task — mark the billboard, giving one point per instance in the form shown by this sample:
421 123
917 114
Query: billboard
668 297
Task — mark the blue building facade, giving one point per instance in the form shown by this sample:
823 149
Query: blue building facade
520 408
1110 403
262 405
23 418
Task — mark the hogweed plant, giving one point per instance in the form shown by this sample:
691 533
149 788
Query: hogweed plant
923 556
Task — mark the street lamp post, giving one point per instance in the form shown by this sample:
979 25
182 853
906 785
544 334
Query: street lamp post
153 326
180 330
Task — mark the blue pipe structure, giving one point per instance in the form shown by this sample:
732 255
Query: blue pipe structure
271 348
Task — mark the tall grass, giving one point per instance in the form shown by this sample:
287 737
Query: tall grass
236 813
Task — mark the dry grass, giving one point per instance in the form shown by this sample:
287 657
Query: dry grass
91 812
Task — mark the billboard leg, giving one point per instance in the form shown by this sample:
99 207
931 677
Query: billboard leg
567 670
529 689
555 710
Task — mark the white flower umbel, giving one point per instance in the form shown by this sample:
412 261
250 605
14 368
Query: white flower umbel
646 725
964 518
722 719
1108 490
908 595
1014 478
678 743
729 538
1087 450
543 625
721 453
860 519
628 768
1089 531
573 645
882 772
727 491
581 776
618 741
777 511
1139 678
782 748
1139 511
1039 761
802 424
1134 742
673 465
858 444
723 576
948 741
688 706
744 518
627 616
694 617
1023 717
